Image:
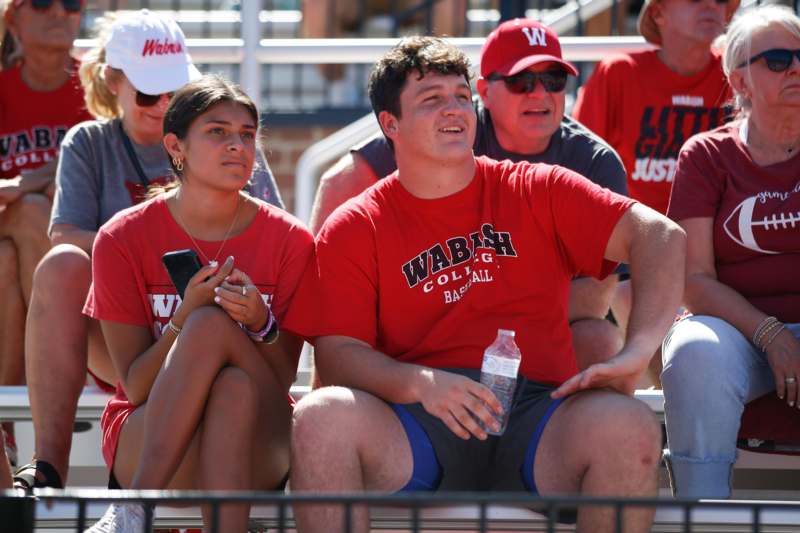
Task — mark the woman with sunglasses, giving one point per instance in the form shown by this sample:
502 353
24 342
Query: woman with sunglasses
40 99
106 165
737 195
202 397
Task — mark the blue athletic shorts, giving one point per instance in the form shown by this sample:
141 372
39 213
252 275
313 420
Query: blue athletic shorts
444 461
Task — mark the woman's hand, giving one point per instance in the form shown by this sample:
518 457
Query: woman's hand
200 289
240 298
783 354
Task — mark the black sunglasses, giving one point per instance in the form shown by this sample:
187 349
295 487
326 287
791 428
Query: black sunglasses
553 81
149 100
777 59
70 6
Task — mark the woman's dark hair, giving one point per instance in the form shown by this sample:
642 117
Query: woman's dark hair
197 97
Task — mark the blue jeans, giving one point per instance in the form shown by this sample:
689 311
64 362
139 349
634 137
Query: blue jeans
710 372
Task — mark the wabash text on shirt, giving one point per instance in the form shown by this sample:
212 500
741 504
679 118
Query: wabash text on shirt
30 148
454 266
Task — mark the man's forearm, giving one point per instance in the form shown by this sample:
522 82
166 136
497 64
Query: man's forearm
357 365
657 265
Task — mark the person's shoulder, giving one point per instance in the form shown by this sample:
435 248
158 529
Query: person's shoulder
365 207
509 173
575 134
137 219
12 74
719 139
90 130
277 217
625 62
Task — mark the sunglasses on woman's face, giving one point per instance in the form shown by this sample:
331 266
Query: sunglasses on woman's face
149 100
777 59
553 81
70 6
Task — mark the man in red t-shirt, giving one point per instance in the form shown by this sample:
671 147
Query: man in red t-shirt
417 274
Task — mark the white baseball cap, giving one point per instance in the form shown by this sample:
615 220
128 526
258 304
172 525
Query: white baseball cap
151 51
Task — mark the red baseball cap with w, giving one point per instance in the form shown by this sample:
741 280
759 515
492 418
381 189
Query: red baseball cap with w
518 44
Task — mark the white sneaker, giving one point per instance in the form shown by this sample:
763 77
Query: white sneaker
120 518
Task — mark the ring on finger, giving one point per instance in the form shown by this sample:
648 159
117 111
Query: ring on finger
244 290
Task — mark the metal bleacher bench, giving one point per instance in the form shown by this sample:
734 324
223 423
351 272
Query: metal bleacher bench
776 478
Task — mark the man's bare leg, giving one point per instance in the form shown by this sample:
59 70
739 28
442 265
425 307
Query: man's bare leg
601 443
56 342
595 340
25 222
344 441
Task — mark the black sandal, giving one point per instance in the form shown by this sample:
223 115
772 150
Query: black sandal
26 477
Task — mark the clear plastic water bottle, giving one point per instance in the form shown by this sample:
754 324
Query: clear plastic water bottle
499 372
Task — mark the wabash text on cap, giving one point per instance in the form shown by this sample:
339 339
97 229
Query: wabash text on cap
518 44
151 50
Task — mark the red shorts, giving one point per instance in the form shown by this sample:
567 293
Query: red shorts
114 416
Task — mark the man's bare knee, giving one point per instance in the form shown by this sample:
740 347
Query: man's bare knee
625 425
63 265
595 341
318 414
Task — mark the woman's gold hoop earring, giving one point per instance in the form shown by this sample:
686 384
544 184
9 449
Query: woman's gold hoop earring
178 164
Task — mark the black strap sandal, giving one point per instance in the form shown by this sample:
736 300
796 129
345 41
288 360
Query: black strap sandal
28 476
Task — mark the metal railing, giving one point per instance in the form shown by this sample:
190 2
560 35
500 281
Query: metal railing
302 87
480 512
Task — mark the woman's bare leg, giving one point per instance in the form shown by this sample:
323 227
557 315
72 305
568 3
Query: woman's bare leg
209 342
243 416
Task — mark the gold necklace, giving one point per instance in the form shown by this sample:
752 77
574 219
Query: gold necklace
224 240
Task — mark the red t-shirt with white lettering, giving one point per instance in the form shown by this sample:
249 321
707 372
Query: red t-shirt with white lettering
756 212
431 281
33 123
131 286
645 111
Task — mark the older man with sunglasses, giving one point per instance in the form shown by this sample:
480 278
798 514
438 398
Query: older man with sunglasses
520 117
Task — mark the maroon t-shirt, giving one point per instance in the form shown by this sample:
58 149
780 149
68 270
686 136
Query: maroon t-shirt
756 212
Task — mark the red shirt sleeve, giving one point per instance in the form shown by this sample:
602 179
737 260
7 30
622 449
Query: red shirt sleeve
583 216
697 188
299 247
342 274
116 291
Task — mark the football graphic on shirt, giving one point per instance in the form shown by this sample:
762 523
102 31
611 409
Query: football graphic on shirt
768 222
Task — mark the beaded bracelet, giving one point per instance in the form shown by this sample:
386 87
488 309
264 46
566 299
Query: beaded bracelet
772 337
175 329
761 329
268 334
766 332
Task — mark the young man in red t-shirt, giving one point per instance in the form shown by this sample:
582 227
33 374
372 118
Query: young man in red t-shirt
417 274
